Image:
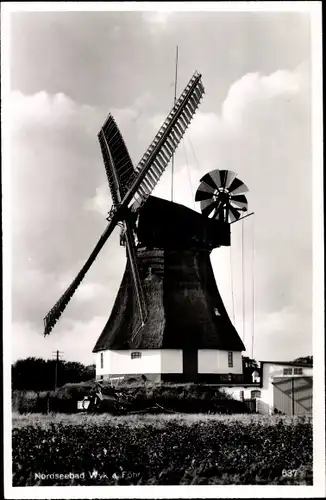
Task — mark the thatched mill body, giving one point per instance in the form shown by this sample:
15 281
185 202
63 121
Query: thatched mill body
168 321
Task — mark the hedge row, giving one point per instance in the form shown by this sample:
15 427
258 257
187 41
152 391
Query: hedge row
187 398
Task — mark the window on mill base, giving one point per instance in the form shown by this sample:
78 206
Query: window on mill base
135 355
255 394
230 359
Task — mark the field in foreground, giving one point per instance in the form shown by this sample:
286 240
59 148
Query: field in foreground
160 449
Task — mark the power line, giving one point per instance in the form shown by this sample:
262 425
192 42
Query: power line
232 290
243 284
192 148
189 176
253 288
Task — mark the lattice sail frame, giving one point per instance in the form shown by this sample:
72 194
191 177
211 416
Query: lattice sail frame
167 139
118 165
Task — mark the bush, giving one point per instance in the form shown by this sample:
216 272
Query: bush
30 401
63 400
185 398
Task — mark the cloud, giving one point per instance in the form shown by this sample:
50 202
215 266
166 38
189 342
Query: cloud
285 327
56 168
100 202
74 340
53 112
264 135
253 89
89 291
157 18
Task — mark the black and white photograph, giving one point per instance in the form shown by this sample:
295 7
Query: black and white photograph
163 250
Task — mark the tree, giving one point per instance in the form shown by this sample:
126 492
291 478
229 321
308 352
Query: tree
38 374
306 360
249 362
29 373
249 366
89 372
73 372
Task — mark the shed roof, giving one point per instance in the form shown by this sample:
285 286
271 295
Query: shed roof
287 363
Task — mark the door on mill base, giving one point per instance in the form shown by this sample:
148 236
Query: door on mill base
190 364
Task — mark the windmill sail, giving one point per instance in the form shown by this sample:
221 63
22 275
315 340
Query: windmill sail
119 169
166 141
129 187
54 314
118 165
132 256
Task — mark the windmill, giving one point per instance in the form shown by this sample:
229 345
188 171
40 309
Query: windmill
168 321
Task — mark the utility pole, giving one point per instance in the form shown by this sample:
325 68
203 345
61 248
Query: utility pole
57 354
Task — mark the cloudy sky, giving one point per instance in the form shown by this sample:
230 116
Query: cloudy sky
68 71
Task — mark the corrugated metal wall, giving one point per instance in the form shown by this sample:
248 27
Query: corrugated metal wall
263 407
293 395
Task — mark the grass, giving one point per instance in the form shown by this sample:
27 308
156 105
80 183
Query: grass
161 449
19 420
